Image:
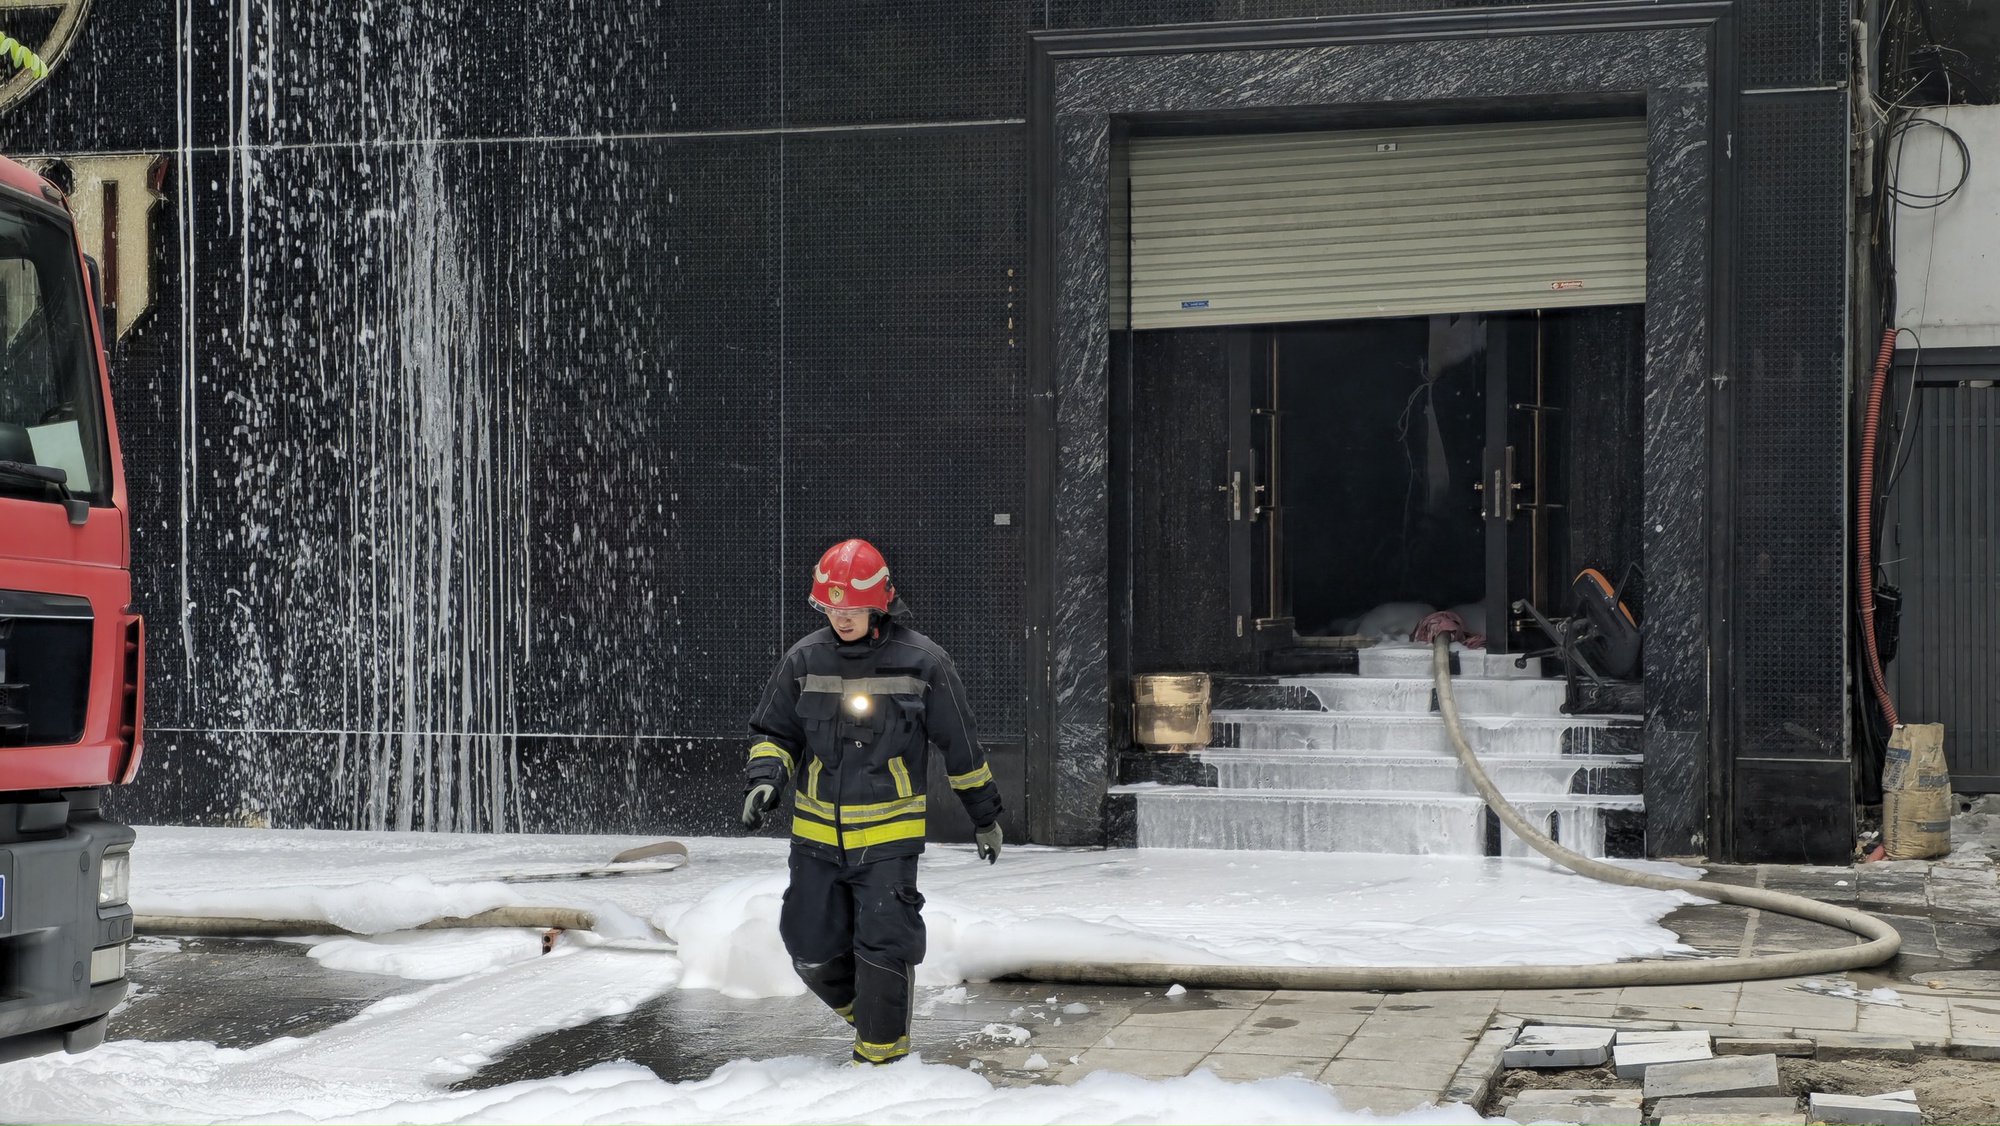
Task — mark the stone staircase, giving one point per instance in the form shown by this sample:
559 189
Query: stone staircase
1362 763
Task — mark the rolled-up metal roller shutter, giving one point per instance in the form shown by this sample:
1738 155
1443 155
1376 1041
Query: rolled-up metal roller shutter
1264 228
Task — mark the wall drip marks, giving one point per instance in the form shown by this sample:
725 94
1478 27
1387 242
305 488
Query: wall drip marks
373 500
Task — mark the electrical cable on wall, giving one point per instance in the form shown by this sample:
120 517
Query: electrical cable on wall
1913 72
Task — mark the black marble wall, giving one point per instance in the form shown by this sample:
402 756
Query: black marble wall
508 364
507 369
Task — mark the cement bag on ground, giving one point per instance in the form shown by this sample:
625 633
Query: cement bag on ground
1916 794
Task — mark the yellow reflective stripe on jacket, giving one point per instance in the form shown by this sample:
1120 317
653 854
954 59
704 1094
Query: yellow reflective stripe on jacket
812 779
884 833
902 775
768 749
881 810
977 777
863 685
814 831
807 827
814 806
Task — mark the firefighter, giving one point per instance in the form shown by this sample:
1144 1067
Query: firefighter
848 719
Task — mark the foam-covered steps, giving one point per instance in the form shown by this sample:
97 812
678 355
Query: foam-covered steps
1363 763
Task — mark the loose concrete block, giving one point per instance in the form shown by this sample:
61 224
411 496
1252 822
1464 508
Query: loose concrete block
1632 1060
1973 1048
1558 1045
1762 1045
1474 1078
1898 1108
1663 1036
1863 1046
1738 1112
1604 1107
1715 1078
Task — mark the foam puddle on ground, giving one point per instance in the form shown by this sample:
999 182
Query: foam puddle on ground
494 990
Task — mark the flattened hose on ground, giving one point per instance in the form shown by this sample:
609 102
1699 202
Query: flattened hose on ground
1881 945
515 915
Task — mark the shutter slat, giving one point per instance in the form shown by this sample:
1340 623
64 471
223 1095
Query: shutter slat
1321 226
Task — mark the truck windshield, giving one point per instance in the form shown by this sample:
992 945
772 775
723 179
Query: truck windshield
50 413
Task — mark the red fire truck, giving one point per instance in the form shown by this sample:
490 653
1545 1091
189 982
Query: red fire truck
70 645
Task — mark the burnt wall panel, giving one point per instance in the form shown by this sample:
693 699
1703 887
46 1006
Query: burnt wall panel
1790 541
903 380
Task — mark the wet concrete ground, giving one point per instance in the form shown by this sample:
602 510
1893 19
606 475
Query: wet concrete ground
1385 1050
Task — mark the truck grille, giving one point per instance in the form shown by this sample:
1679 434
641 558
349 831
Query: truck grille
44 667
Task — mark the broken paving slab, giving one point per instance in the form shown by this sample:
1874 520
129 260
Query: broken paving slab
1864 1046
1715 1078
1664 1036
1559 1045
1897 1108
1736 1112
1590 1107
1632 1059
1763 1045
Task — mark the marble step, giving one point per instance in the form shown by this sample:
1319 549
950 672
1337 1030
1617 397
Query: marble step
1408 823
1374 694
1399 659
1417 733
1517 776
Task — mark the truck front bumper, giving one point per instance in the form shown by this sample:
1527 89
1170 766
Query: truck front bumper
58 946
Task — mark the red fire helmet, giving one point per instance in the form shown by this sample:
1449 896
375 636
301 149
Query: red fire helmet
852 575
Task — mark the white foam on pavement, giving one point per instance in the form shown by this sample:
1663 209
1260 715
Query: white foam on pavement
429 955
395 1060
190 1082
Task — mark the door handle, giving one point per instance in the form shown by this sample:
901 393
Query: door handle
1235 490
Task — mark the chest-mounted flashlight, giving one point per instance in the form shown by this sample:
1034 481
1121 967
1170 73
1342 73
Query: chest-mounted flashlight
858 704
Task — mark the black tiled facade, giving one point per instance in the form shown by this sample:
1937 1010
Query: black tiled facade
508 365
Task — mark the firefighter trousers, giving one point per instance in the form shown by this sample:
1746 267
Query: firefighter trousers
856 933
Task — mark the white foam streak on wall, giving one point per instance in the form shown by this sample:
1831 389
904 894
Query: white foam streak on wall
383 492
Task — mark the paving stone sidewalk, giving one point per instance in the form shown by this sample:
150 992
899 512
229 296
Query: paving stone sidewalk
1384 1052
1392 1052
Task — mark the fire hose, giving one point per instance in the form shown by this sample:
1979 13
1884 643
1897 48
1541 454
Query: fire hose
1881 940
1881 943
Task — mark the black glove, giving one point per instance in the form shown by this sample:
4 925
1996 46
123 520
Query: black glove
757 801
987 838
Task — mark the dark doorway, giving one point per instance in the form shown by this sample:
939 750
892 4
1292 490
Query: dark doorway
1383 426
1281 490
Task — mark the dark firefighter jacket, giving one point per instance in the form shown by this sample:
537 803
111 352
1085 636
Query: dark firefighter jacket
850 724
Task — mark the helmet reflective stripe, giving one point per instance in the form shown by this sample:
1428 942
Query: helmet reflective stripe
852 575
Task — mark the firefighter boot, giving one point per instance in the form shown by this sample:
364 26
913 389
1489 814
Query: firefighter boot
883 997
